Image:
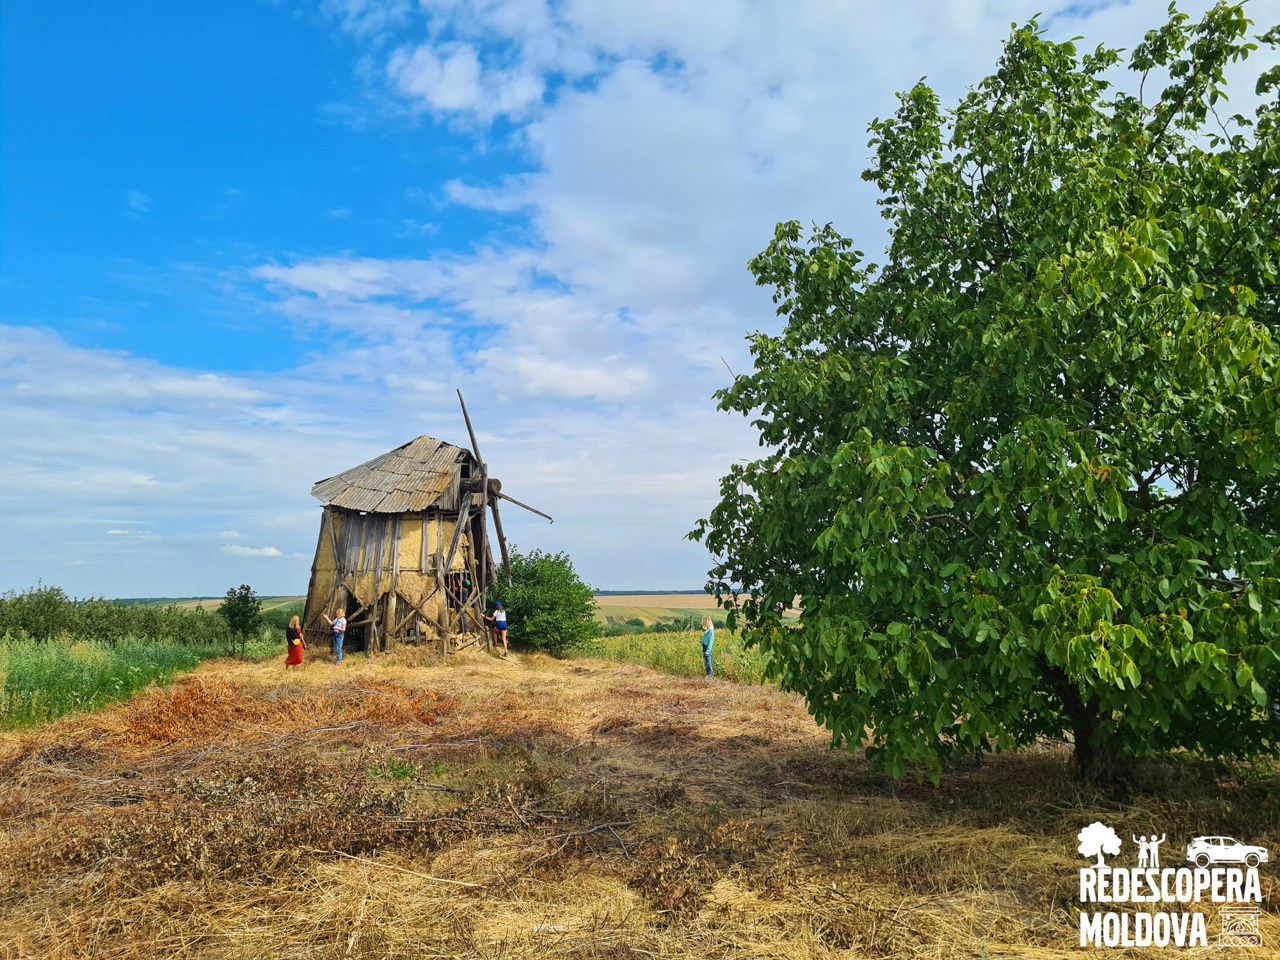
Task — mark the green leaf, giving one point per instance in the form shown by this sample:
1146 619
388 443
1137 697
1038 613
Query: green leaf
1259 694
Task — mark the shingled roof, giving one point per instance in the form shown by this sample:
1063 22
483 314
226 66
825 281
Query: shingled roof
421 474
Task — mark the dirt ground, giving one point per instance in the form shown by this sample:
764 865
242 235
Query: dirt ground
528 807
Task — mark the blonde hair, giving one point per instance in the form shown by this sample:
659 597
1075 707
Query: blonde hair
293 622
341 613
706 622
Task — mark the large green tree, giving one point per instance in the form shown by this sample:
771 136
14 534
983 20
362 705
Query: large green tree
1023 475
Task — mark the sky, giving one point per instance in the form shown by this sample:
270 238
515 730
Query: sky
248 244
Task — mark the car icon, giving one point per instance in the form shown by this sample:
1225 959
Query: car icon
1203 851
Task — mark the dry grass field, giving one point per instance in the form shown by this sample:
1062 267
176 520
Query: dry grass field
650 608
532 808
683 601
268 603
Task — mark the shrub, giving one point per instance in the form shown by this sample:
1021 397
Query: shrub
548 606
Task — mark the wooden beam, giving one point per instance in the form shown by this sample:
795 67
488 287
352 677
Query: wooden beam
457 538
527 507
415 608
440 627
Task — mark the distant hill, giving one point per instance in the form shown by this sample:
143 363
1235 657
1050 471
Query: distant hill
268 603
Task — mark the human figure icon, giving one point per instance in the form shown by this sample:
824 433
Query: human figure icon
1154 845
1144 850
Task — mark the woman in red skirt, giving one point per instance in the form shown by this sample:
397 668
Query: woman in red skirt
293 635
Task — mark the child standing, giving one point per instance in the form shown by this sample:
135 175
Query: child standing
708 641
293 637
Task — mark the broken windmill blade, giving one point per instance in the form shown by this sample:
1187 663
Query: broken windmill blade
490 492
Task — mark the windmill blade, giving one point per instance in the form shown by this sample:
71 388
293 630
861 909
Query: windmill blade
482 559
475 447
526 506
502 541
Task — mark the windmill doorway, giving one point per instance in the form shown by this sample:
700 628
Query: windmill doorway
357 632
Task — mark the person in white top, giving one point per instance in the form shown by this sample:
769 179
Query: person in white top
339 625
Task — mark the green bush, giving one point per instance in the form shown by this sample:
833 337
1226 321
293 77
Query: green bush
548 606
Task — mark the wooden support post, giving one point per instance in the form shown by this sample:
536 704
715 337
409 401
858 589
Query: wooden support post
477 595
391 614
441 622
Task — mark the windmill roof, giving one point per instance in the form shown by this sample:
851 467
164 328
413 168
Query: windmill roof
407 479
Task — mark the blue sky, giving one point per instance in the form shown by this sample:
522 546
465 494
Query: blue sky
249 244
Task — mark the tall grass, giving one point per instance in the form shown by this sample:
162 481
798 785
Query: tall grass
42 681
680 654
59 655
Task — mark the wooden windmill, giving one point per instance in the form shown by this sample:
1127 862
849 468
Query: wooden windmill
404 545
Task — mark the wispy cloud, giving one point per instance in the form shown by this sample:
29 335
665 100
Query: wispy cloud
239 551
137 203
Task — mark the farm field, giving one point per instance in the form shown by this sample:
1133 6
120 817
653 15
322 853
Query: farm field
612 609
213 603
651 608
689 601
531 807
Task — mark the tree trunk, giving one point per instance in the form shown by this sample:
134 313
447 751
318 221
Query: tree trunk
1096 762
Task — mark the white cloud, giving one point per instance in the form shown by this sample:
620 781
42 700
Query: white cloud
660 143
181 455
240 551
367 18
445 78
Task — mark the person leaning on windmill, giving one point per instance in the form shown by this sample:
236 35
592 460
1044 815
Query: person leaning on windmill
499 621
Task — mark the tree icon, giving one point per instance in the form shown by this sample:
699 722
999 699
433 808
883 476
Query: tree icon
1096 839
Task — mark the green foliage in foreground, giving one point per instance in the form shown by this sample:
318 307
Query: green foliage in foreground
1025 476
680 654
548 606
42 681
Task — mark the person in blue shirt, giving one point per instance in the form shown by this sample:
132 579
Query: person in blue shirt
708 640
